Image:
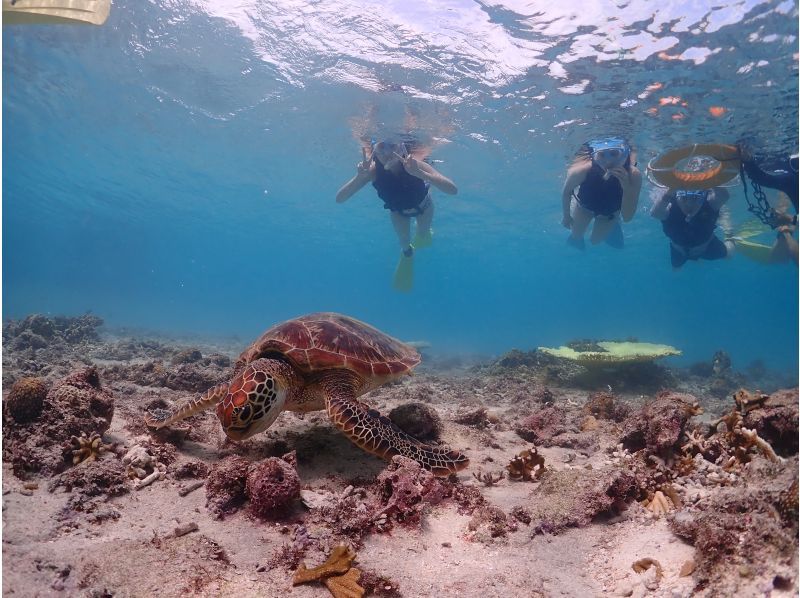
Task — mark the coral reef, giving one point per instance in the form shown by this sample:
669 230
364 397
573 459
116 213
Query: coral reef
143 467
488 479
775 420
544 425
76 406
603 405
25 400
609 353
660 424
88 448
572 498
226 486
489 523
526 466
405 488
272 484
419 420
739 530
196 376
336 573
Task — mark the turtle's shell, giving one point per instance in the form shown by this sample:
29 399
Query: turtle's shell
325 341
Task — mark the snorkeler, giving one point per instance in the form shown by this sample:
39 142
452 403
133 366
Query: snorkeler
689 219
608 182
403 183
783 177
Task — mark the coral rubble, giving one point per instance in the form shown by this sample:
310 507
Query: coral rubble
271 484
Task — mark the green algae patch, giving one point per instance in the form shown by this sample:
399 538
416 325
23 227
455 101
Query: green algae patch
612 353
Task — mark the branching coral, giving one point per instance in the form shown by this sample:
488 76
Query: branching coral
88 449
335 573
526 466
746 402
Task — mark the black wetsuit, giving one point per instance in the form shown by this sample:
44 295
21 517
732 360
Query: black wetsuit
601 197
401 192
695 232
787 181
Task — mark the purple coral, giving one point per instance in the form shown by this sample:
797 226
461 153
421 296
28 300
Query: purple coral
271 484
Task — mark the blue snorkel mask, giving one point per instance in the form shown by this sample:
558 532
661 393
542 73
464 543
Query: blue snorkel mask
385 151
609 152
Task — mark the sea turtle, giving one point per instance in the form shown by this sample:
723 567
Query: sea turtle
318 361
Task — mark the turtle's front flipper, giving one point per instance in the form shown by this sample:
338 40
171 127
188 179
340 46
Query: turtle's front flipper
377 434
158 418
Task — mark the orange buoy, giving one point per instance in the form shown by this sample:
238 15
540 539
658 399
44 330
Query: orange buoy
697 166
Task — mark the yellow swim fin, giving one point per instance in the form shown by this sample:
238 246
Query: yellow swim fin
404 274
757 252
423 240
751 228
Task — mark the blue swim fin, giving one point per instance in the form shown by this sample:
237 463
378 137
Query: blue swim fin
615 237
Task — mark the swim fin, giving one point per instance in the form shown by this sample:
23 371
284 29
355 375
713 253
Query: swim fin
404 274
615 238
757 252
423 240
576 243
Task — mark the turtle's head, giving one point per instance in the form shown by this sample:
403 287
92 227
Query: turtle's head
254 399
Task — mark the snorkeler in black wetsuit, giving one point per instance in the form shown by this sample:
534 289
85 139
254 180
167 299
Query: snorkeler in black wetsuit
403 183
688 219
783 177
608 184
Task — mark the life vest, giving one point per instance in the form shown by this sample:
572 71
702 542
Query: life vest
696 231
399 192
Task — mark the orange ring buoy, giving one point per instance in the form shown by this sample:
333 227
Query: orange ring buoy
697 166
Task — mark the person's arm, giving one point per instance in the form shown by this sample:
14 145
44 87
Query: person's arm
428 173
576 174
366 172
660 209
631 183
720 197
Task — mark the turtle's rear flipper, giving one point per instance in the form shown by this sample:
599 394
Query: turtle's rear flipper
378 435
160 418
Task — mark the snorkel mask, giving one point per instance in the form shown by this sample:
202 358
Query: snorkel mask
385 151
693 198
610 152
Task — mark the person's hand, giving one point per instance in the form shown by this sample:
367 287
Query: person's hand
745 154
621 174
411 165
566 221
364 166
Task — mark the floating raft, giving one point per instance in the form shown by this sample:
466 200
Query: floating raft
60 12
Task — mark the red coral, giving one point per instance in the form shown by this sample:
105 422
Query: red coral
543 425
659 425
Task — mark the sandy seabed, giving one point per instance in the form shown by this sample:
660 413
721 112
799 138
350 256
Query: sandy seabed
655 482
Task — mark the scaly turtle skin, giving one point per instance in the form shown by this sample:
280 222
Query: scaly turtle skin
318 361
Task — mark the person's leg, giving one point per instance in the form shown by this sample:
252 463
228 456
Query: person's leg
676 256
402 228
602 226
717 250
424 235
581 217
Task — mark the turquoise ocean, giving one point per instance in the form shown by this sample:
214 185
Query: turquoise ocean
175 168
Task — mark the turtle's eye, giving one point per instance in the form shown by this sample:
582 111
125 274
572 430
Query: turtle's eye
245 413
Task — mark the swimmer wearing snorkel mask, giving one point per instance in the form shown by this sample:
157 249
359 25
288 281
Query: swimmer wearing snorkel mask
403 182
608 183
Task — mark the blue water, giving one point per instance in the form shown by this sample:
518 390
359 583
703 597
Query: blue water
176 168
